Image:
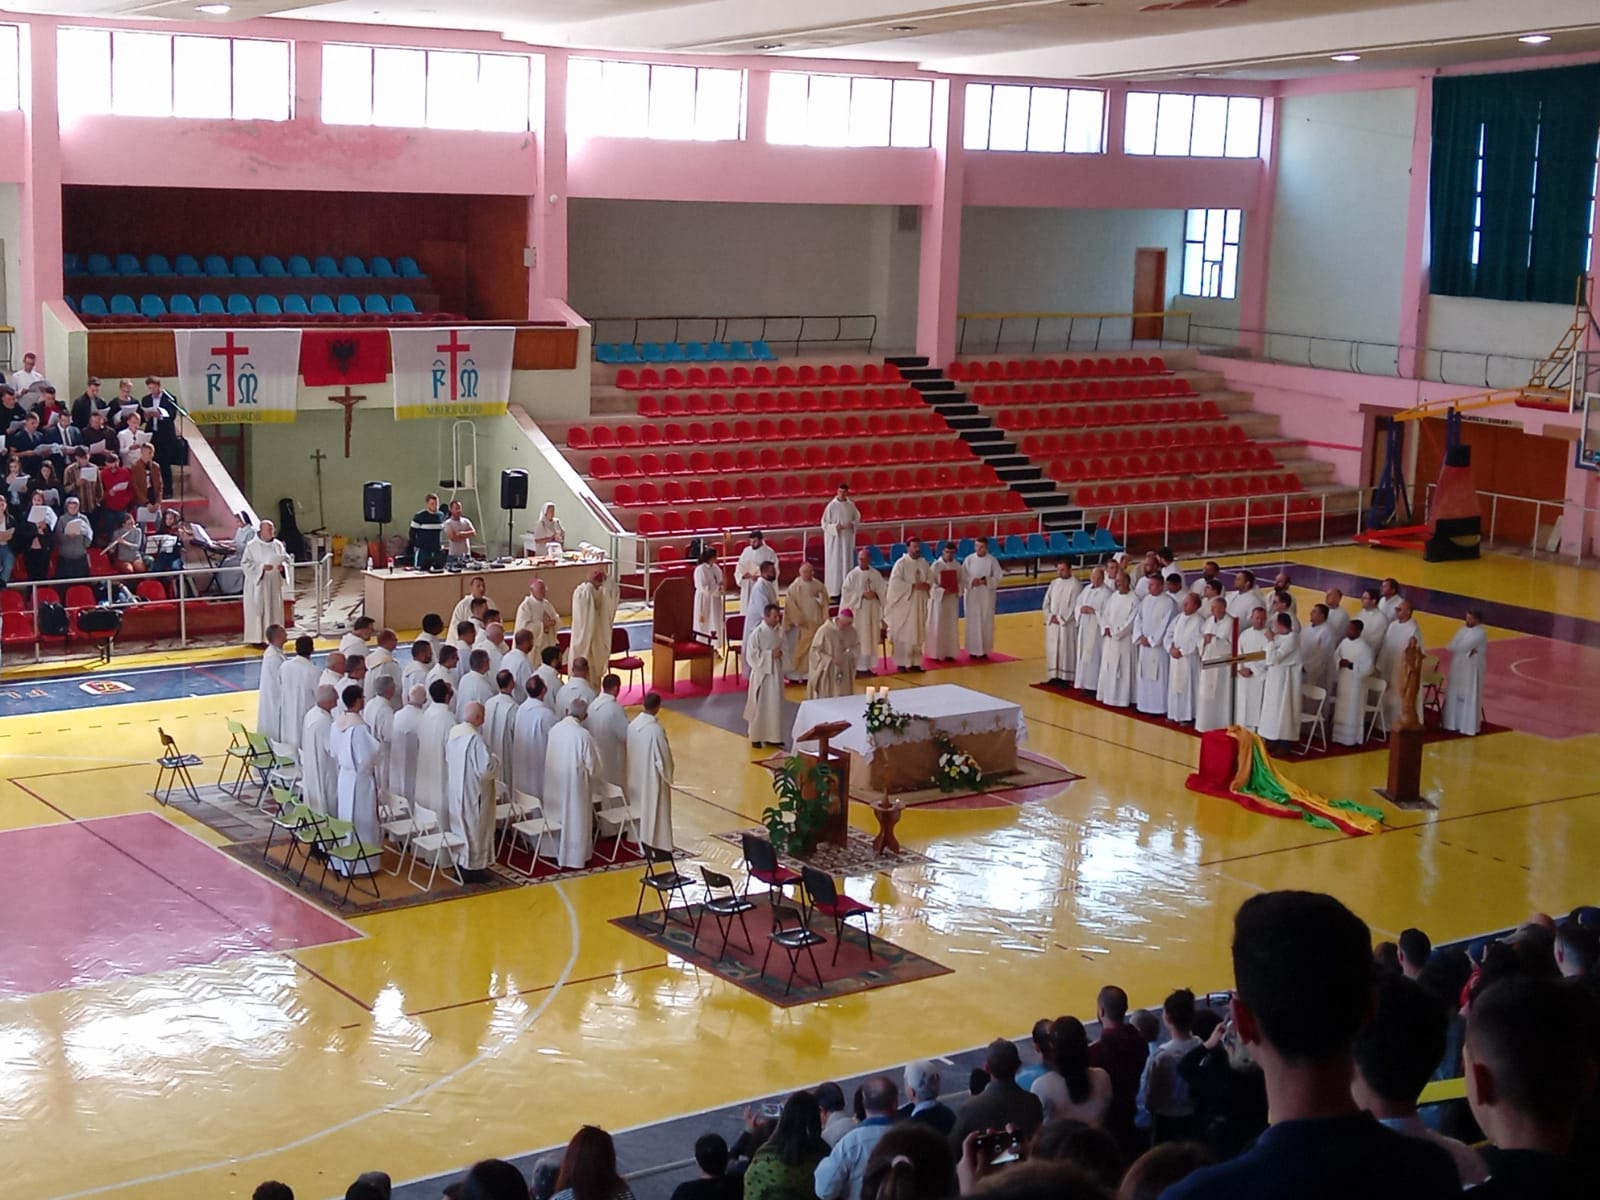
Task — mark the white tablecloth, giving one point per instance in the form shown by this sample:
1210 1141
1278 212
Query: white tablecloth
955 710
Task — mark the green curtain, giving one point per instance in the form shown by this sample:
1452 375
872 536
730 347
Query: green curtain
1538 131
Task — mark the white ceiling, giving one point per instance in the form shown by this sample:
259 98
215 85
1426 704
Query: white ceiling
1025 38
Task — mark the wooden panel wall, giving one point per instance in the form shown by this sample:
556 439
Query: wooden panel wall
497 282
1504 460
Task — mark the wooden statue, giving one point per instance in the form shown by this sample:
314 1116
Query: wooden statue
1410 683
1405 739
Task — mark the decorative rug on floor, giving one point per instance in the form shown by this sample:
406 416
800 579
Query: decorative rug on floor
1431 732
855 857
1036 778
854 972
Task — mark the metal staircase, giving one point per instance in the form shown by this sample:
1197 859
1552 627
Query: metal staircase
1016 470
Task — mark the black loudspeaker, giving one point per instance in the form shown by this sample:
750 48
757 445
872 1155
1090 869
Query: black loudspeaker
513 490
377 502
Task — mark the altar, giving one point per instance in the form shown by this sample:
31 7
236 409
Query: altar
987 728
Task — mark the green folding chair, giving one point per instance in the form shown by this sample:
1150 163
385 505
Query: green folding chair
237 755
340 845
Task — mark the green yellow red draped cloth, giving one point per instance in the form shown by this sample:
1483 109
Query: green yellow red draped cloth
1235 765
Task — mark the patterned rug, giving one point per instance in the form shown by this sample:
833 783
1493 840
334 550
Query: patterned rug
814 979
1036 778
855 857
1431 733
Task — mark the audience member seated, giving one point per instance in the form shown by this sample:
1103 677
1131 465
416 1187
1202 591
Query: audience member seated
1165 1107
785 1166
73 537
1032 1072
714 1183
923 1105
1302 967
126 547
837 1120
589 1169
911 1161
839 1176
1002 1104
1072 1088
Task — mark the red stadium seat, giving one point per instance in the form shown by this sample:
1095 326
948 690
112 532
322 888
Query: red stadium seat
600 467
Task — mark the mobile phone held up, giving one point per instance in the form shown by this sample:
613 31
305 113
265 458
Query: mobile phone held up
998 1147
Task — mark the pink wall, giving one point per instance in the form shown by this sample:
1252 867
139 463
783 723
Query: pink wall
13 147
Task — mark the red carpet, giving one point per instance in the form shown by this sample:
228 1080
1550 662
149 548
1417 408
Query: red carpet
1430 735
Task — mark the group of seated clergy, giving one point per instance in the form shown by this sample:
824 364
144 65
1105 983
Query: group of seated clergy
1146 643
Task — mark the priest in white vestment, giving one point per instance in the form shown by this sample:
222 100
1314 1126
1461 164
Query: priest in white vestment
607 723
549 671
763 706
1210 573
1354 661
269 697
832 670
1389 599
983 581
1374 624
577 687
1401 633
570 764
949 579
839 522
1338 617
499 729
333 675
535 720
477 589
1117 659
1463 689
403 745
298 678
1317 647
356 751
763 590
319 776
1251 682
594 609
263 563
418 669
382 664
1183 640
863 594
433 731
1282 602
539 617
1061 626
445 669
520 660
650 775
470 771
748 570
1243 598
477 685
1156 611
1279 721
379 713
494 643
1091 603
710 611
805 608
358 638
905 607
1213 694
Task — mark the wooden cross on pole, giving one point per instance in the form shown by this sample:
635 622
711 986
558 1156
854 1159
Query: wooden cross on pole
348 402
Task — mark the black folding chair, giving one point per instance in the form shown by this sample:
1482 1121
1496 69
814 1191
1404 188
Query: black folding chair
761 863
661 875
790 932
723 908
827 900
175 769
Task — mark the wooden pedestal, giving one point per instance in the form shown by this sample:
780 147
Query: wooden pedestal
1405 770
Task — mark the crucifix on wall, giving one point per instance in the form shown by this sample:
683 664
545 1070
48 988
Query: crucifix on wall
348 402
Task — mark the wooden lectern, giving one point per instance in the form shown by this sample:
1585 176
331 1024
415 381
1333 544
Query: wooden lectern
837 828
1405 739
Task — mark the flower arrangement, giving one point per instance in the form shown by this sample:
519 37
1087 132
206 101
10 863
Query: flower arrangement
957 771
881 714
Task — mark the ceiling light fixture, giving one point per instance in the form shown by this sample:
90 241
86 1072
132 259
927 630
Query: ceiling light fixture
769 45
1346 58
1534 39
901 28
215 10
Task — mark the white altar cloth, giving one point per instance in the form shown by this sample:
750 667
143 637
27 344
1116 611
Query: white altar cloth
955 710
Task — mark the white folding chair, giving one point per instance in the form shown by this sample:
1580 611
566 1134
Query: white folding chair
1372 706
1313 706
611 806
436 845
515 807
533 829
285 773
400 824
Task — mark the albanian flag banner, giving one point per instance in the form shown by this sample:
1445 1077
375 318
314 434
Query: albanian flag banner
335 357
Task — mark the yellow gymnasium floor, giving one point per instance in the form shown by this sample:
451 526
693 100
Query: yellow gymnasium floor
495 1024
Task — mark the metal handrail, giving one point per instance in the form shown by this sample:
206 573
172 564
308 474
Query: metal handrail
1072 320
1563 508
1269 509
806 328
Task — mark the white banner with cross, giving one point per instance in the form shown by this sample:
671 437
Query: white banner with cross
451 372
238 376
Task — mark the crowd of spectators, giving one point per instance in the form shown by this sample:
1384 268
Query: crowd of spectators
91 476
1335 1038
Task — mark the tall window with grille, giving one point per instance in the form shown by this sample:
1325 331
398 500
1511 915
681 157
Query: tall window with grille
1211 253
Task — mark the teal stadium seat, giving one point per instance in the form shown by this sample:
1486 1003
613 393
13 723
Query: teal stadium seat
157 264
240 306
296 306
353 267
349 306
216 267
188 266
245 267
402 304
300 267
382 268
99 264
211 305
272 267
93 306
129 264
123 306
322 305
326 267
268 306
375 303
407 267
152 306
182 305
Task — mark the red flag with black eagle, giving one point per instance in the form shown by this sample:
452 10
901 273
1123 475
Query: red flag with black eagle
334 357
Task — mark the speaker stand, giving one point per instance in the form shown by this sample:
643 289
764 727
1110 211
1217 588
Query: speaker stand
511 520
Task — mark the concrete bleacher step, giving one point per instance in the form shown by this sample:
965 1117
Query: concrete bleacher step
907 360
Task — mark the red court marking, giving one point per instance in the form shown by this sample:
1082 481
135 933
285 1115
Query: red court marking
90 901
1540 686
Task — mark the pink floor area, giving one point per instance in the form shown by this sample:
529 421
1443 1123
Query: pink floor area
1540 686
90 901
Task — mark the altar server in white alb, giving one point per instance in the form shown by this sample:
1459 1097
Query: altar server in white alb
379 714
983 578
710 613
356 751
1061 626
944 605
1463 692
1401 633
1280 695
471 775
748 569
1215 687
607 723
477 685
433 733
520 660
297 694
839 523
499 730
269 699
1182 643
319 775
1355 663
263 563
650 774
1252 676
403 745
1117 657
906 607
762 592
1317 647
1374 622
864 592
1091 603
381 664
1156 611
535 720
763 705
1338 618
570 764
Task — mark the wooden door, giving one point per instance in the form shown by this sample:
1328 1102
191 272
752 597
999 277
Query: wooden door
1149 291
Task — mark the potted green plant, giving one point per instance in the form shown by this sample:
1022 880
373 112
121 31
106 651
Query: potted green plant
804 788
